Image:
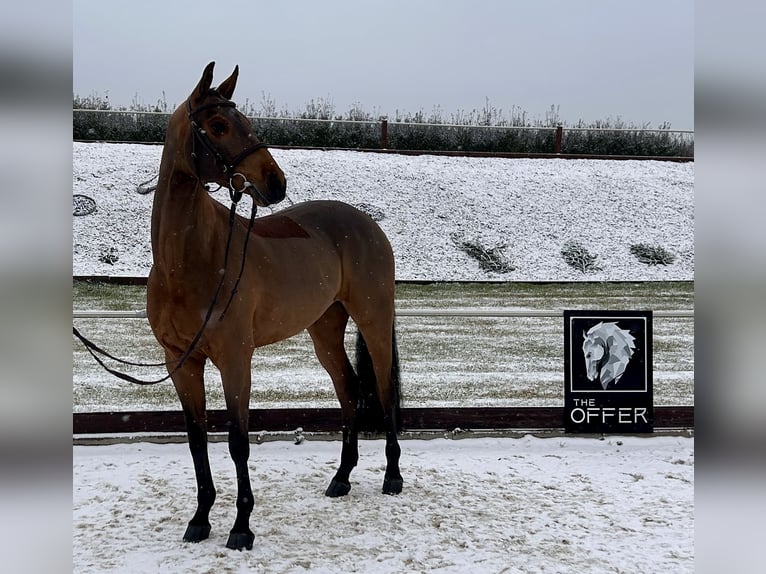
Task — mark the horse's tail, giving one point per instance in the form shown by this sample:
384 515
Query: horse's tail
369 412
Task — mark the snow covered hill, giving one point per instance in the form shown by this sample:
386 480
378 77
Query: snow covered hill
526 210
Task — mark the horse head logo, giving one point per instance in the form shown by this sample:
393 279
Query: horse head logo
607 350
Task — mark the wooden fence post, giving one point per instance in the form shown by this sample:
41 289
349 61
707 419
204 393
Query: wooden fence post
384 133
557 143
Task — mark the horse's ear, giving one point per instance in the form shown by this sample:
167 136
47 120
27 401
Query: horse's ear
204 84
226 89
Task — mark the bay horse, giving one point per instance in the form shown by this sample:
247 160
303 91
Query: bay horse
310 266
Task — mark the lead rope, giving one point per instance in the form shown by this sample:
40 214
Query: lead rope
244 258
144 188
93 348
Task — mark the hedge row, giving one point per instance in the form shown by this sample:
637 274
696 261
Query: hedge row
91 125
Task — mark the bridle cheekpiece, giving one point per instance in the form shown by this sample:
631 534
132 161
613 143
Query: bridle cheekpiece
227 166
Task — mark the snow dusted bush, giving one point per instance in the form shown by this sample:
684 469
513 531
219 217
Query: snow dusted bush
109 255
577 256
490 258
652 254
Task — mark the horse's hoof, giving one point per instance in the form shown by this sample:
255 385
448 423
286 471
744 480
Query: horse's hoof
337 488
196 532
240 540
392 485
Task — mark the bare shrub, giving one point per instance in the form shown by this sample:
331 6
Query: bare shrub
109 255
490 259
652 254
577 256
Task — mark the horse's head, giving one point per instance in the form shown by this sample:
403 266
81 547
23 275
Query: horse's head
593 351
607 350
224 147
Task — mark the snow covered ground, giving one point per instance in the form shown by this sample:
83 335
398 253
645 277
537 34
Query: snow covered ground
483 505
529 207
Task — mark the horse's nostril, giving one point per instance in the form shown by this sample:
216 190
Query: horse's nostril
277 186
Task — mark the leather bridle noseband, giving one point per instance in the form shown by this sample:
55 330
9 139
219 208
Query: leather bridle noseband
227 166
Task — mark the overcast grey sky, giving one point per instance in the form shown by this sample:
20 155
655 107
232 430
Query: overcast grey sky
594 59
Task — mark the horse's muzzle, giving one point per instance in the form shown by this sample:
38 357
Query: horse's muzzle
274 192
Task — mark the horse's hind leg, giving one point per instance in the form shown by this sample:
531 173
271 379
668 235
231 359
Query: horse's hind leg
189 384
379 344
328 337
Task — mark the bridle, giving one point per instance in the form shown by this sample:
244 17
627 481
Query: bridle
227 166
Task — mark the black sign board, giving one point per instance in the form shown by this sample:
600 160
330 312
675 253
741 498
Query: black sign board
608 372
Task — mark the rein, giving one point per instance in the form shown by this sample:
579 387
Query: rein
236 195
94 349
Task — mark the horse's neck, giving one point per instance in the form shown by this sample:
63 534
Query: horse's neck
182 216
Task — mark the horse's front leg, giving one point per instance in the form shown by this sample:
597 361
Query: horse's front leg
236 388
190 386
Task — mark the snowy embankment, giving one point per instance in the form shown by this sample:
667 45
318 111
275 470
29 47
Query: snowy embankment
528 208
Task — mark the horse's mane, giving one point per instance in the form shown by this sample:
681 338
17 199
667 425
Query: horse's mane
611 336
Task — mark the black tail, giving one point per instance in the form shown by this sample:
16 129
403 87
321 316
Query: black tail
369 412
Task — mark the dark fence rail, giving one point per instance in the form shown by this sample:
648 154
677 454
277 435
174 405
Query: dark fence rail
329 420
556 141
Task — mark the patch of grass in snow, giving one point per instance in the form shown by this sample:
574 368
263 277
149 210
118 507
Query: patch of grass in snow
109 255
107 296
490 259
652 254
576 255
376 213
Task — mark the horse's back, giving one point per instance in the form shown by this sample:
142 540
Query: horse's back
359 244
329 215
352 232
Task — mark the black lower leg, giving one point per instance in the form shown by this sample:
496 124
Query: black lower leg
241 536
199 526
349 457
392 482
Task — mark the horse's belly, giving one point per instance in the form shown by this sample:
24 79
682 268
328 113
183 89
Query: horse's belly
286 320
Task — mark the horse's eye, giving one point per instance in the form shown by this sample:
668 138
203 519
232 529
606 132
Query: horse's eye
218 128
